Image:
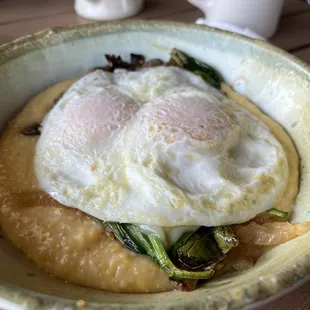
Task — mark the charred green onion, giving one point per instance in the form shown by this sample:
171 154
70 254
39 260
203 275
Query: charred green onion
278 213
121 234
164 262
206 246
225 238
192 257
151 245
196 251
182 60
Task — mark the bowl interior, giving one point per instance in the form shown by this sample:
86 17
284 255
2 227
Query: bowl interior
276 82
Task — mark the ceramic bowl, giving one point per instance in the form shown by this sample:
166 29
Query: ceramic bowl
276 82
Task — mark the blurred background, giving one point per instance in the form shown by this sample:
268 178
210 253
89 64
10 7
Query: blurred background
21 17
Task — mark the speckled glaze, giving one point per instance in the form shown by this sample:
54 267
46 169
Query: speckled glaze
277 82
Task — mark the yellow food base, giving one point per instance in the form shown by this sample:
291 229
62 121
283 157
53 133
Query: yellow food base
68 243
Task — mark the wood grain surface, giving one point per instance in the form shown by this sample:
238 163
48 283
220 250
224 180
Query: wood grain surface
21 17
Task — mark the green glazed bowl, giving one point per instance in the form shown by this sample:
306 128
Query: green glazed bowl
276 82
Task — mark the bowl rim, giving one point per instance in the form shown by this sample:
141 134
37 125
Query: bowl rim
25 299
55 35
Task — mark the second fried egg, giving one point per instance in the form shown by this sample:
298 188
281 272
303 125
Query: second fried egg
158 147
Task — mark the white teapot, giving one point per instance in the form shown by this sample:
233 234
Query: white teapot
260 16
107 9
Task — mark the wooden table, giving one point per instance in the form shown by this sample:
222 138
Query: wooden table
20 17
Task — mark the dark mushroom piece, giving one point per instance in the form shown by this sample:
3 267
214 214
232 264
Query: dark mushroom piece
155 62
116 62
32 130
137 60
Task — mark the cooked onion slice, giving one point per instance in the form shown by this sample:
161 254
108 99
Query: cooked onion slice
270 233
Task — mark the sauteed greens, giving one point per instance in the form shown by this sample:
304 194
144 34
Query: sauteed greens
184 61
193 256
178 58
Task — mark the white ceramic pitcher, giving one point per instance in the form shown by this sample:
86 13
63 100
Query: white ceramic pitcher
261 16
107 9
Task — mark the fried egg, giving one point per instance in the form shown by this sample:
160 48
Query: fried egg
158 147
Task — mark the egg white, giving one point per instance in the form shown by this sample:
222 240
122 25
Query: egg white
158 147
